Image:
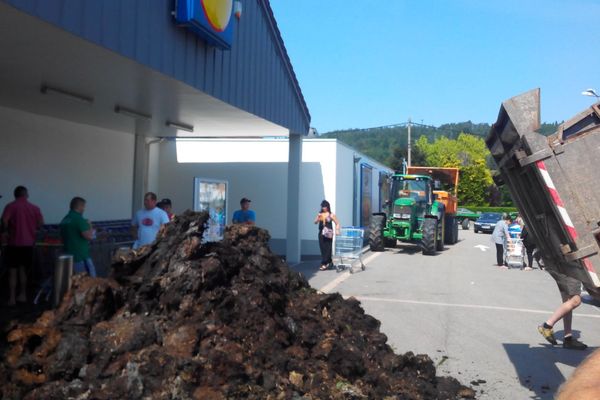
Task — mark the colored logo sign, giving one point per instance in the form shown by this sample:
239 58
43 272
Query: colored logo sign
209 19
218 13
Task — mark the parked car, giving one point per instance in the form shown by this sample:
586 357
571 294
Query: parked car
487 222
465 216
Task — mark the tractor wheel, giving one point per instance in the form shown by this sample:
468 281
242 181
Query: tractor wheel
430 234
442 233
389 242
466 223
376 232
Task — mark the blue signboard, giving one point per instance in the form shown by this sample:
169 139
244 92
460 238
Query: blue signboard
212 20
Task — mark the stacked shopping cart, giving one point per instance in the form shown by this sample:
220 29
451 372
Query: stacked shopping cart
348 249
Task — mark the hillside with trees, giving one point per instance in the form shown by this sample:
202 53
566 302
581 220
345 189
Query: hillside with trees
388 144
450 145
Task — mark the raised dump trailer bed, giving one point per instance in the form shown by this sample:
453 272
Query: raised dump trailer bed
554 181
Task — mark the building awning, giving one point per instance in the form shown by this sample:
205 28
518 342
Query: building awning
39 54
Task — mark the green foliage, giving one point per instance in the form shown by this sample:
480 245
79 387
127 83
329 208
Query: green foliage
468 153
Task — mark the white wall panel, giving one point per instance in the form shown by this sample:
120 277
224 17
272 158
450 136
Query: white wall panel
57 160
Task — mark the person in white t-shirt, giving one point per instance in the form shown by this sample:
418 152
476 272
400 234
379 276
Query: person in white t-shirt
147 222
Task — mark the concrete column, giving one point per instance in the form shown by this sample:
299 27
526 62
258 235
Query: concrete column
293 199
140 172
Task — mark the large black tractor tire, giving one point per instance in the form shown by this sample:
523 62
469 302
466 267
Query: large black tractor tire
376 232
466 223
430 234
451 234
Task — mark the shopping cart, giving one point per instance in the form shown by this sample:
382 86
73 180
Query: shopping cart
348 249
514 253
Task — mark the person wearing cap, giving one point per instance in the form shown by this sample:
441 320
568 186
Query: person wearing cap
245 215
166 206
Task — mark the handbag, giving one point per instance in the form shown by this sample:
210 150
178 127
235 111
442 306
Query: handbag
327 232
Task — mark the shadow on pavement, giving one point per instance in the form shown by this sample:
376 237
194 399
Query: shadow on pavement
307 268
537 367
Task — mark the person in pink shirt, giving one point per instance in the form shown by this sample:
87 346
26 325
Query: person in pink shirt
20 221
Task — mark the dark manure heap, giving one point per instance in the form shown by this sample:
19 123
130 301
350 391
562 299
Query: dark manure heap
185 320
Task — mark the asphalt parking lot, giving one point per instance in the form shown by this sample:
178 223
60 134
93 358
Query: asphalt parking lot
476 321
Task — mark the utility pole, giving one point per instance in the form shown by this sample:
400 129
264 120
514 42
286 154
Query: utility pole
409 124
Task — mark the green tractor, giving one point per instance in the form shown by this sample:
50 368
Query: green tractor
414 216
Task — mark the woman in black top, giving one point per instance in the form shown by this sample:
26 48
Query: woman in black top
325 218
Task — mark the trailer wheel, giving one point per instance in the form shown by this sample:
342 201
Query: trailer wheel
455 230
441 234
451 230
376 232
429 240
465 224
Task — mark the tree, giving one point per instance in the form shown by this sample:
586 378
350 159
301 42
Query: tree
467 152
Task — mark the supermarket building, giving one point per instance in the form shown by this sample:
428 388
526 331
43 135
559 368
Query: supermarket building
91 89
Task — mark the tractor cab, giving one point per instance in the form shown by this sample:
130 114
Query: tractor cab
412 195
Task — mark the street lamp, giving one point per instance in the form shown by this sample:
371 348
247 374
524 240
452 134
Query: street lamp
591 93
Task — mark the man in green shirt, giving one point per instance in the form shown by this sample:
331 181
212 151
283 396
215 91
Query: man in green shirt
76 233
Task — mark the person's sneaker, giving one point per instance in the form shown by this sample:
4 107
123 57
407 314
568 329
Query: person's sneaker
574 344
527 269
548 334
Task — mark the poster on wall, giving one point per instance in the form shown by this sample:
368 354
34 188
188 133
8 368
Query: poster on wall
366 194
211 195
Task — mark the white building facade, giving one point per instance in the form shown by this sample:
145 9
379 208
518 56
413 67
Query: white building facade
257 169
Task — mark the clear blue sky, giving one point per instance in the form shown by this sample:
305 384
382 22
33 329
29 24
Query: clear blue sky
364 63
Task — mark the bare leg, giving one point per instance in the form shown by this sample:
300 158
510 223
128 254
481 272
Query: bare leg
567 322
565 311
12 282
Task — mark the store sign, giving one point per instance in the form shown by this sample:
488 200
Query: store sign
212 20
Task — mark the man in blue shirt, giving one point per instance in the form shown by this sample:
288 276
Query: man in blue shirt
245 215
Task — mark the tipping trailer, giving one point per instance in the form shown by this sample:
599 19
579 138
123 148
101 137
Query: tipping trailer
554 182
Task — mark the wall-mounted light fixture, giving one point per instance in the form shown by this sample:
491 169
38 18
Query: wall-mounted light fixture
45 89
180 126
132 113
237 9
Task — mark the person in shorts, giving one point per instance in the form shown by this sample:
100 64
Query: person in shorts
570 291
20 220
76 233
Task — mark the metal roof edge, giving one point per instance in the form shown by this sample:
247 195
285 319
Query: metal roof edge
266 6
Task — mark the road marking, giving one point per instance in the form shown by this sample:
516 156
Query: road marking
331 285
482 307
481 247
